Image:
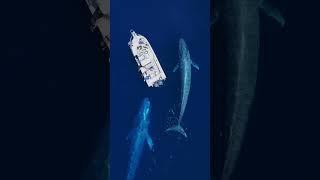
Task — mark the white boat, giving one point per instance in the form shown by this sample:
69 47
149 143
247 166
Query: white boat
147 60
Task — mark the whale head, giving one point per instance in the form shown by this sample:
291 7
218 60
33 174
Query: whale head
146 108
183 50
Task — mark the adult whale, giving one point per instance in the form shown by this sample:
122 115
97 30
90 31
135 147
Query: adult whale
139 136
185 64
236 39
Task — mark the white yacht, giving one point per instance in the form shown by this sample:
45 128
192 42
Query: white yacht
146 59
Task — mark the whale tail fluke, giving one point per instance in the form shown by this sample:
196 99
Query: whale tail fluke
178 129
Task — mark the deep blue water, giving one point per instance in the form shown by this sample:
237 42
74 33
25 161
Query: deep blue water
162 23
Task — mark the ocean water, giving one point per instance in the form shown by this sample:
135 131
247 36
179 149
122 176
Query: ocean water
162 23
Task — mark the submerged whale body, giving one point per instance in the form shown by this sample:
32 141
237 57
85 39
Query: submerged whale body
139 136
236 55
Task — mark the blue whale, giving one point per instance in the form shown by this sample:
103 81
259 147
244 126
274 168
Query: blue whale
185 64
236 39
139 136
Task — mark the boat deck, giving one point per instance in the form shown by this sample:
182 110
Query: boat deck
147 61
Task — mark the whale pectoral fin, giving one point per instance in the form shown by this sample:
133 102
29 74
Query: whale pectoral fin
272 12
195 65
176 67
150 142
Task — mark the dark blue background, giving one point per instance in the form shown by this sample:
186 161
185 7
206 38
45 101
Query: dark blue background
162 23
53 89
